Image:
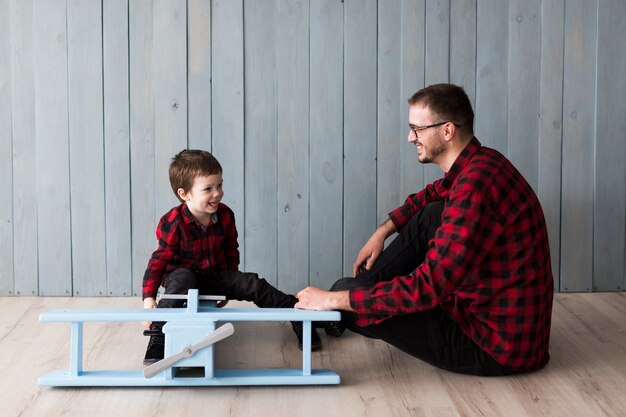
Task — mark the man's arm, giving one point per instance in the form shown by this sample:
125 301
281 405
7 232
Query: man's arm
468 231
312 298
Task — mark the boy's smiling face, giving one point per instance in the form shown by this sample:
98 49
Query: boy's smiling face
204 197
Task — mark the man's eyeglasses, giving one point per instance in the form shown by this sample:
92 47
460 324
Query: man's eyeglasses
416 129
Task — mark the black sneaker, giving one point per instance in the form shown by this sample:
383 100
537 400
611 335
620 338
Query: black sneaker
316 342
334 328
155 350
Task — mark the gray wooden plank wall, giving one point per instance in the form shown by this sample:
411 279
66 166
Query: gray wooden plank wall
304 103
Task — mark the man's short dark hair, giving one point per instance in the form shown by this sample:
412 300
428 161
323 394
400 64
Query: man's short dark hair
189 164
447 102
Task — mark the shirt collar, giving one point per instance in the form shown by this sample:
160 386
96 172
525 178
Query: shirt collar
461 162
190 219
187 216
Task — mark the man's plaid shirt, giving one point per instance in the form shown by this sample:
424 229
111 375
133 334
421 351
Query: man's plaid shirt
488 265
184 243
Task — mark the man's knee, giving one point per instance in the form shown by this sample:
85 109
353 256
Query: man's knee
344 284
424 224
431 214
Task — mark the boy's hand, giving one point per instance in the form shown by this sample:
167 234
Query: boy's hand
148 303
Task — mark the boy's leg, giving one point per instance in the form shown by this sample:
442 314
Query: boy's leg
248 286
178 281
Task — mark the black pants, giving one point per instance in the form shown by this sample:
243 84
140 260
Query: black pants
432 335
235 285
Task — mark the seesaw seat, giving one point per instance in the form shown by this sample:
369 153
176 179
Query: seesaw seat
184 328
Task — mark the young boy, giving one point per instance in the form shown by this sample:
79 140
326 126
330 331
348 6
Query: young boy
198 249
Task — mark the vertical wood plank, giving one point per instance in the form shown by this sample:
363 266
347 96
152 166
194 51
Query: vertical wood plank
437 41
610 176
359 108
170 94
293 144
437 57
260 139
6 164
326 132
524 76
490 121
390 109
413 15
578 146
493 48
25 250
117 147
53 193
463 46
199 73
227 105
142 112
85 97
550 124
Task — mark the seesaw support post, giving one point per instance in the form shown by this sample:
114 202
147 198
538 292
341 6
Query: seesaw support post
76 348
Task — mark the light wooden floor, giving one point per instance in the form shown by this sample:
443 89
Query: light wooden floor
586 376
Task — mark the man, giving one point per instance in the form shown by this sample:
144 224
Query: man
466 285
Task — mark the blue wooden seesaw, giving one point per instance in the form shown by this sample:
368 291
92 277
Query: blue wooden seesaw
189 337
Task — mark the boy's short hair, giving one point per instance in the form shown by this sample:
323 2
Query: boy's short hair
447 101
189 164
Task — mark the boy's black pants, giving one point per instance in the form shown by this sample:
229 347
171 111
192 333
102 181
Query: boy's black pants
432 336
235 285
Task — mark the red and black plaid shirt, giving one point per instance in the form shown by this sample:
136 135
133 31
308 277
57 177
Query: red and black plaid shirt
184 243
488 265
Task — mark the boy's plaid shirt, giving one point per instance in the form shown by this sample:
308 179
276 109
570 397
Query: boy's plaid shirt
184 243
488 265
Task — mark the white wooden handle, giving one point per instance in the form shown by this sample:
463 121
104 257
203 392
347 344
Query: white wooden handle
220 333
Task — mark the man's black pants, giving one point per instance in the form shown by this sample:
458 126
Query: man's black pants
432 335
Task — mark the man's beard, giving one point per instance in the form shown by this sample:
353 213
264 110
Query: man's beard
429 155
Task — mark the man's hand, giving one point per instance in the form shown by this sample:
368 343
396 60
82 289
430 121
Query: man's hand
368 254
148 303
312 298
373 248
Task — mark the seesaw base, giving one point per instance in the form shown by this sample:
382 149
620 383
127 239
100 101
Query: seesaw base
222 377
186 333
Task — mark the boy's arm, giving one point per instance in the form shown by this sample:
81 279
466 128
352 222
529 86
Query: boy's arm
149 302
168 238
154 273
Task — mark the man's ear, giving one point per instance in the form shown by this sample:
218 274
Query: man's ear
449 130
182 194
